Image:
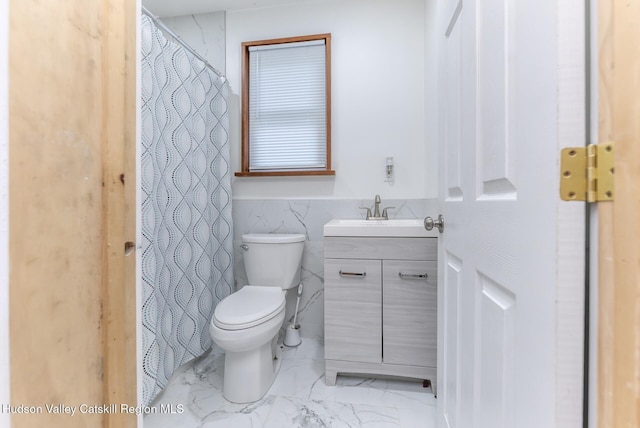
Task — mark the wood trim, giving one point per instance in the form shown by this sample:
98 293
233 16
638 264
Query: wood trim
246 172
618 229
286 40
283 173
328 95
72 290
55 218
245 109
119 210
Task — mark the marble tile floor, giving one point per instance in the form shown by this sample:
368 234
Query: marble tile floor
299 397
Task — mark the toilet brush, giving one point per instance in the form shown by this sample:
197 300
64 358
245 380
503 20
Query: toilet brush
292 335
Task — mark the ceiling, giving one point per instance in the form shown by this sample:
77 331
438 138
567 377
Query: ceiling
164 8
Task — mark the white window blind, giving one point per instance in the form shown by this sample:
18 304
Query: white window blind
287 106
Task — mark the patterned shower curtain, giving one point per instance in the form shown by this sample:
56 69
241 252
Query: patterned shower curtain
187 257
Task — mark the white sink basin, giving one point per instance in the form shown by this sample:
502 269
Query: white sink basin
406 228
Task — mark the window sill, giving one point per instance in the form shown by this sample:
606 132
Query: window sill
284 173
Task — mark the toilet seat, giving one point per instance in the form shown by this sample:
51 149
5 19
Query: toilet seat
248 307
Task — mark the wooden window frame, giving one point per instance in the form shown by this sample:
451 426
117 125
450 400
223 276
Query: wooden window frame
246 172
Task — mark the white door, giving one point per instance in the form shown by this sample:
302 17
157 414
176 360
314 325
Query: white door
500 120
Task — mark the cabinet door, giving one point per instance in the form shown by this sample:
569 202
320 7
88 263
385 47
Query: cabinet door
352 310
409 312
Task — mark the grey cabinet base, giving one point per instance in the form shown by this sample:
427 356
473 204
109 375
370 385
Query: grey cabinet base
333 367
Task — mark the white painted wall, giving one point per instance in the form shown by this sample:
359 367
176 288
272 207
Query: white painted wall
4 210
378 96
431 97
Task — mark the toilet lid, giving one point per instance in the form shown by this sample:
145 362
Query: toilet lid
273 238
250 306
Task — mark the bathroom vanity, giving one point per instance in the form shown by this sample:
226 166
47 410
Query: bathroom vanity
380 291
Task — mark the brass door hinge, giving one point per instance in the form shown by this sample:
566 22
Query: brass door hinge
586 173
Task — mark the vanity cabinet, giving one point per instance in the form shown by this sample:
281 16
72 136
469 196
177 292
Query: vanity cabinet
352 310
380 307
409 312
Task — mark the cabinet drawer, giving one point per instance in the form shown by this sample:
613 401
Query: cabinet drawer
409 312
381 248
352 310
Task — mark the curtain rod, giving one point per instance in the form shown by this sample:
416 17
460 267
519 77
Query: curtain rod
156 20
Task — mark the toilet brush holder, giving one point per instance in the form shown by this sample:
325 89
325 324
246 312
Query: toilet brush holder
292 335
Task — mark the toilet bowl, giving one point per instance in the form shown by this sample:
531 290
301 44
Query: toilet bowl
246 333
246 323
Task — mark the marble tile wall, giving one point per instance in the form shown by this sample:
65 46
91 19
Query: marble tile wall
308 217
205 33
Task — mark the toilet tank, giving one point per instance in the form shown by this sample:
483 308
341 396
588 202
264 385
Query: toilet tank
273 259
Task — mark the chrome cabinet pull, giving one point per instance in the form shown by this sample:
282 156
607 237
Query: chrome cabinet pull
356 274
413 275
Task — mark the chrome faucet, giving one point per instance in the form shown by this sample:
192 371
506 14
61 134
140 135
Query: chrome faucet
376 211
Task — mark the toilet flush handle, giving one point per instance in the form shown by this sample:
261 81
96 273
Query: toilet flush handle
244 247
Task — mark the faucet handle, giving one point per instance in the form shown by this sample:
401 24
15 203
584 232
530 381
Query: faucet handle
384 212
368 212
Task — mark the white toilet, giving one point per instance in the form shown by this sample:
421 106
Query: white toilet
246 323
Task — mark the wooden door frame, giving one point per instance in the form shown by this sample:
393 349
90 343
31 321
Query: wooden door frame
4 209
72 205
119 210
618 360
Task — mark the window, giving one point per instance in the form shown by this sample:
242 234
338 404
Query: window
286 114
